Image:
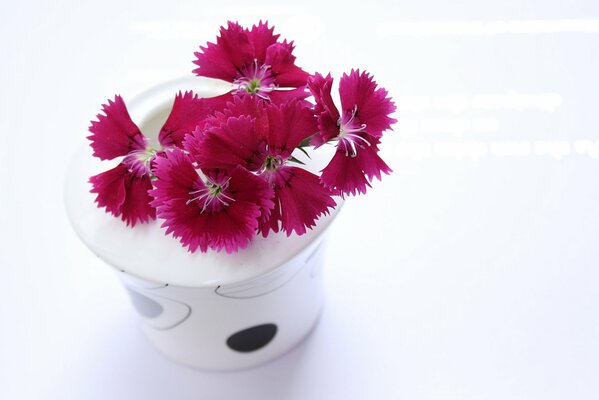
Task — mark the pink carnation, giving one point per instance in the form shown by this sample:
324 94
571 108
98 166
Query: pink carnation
217 210
357 129
253 60
123 190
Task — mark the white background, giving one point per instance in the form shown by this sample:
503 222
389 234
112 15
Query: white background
469 273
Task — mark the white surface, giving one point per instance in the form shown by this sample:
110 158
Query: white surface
470 273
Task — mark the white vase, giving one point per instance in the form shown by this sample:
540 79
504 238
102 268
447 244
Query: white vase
212 310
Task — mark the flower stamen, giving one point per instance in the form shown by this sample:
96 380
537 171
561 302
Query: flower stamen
255 80
212 191
349 134
273 162
139 161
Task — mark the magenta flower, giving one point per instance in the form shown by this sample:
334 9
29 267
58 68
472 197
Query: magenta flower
262 140
254 61
357 130
217 210
123 190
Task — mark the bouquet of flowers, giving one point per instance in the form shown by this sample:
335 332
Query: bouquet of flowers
227 167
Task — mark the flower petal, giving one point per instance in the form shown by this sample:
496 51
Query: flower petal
233 143
282 63
114 134
248 187
326 111
176 177
289 125
231 52
351 175
281 96
239 105
261 36
137 200
320 87
188 112
359 90
123 194
110 189
300 199
327 129
270 221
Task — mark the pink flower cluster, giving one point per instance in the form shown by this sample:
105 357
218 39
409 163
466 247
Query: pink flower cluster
225 168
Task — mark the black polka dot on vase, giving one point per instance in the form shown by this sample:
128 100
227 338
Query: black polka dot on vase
253 338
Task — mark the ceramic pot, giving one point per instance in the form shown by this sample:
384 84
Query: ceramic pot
211 310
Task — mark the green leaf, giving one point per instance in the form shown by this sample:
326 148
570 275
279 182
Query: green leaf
293 159
305 142
305 152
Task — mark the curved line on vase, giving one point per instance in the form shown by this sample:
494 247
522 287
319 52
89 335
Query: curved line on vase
166 328
161 286
232 296
168 299
314 252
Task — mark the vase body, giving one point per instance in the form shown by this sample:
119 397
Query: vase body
233 326
214 311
